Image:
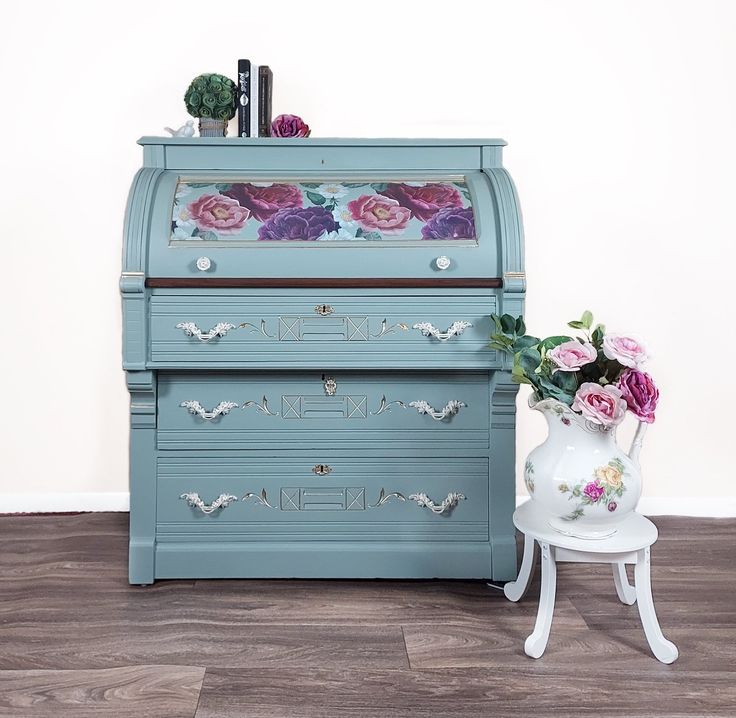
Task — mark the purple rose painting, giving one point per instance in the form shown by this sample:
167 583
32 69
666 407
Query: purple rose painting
335 210
450 223
594 491
306 224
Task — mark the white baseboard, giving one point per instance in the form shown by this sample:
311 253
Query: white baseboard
707 506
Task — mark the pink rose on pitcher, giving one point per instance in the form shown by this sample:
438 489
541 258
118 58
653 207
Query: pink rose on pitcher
376 213
215 213
570 356
624 350
640 393
602 405
594 491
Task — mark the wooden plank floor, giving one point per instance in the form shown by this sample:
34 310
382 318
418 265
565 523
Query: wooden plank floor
76 640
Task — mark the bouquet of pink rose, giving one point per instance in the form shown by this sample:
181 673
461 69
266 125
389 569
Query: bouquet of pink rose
597 375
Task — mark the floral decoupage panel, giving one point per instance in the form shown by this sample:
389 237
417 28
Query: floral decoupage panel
328 211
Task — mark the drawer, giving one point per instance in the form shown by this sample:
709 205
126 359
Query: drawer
359 499
312 409
306 330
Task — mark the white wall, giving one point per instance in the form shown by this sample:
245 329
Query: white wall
621 123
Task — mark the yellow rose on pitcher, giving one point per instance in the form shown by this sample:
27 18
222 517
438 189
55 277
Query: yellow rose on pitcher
610 476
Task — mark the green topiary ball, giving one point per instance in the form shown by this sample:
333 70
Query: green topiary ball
211 95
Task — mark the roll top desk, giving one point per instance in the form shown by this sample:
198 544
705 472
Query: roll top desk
306 327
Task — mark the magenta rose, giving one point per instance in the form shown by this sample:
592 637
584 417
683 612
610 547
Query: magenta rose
602 405
640 393
450 223
424 202
265 201
305 224
376 213
625 350
594 491
216 213
570 356
289 126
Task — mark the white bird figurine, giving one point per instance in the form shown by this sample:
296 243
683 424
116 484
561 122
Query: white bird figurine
186 130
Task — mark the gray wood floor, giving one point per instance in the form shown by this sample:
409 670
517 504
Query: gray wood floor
76 640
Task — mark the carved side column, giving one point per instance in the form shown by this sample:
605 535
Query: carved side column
142 388
503 476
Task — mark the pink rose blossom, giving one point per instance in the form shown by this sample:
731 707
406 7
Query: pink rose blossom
640 393
425 201
594 491
263 202
625 350
570 356
380 214
215 213
602 405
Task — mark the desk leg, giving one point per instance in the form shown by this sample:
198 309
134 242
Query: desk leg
663 650
536 643
515 590
624 590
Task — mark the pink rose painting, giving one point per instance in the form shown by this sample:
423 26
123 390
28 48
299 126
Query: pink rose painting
375 213
570 356
262 202
423 201
219 214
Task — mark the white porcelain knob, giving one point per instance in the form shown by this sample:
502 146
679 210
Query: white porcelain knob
203 264
442 262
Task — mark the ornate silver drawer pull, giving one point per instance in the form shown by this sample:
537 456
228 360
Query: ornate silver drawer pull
194 407
330 386
456 329
323 309
192 330
452 407
447 504
321 469
221 502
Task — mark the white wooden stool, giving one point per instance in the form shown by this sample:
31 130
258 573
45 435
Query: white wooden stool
630 544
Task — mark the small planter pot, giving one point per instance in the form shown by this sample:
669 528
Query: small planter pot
209 127
580 476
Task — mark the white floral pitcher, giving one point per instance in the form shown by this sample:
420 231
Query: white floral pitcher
583 479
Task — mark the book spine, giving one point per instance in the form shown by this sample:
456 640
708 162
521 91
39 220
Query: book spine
265 94
253 104
244 97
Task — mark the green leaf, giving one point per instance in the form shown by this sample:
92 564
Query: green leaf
372 235
503 339
311 185
351 185
518 376
587 319
566 380
552 342
223 186
576 325
508 323
195 232
359 232
529 359
497 321
315 198
208 236
379 186
499 347
525 342
598 334
520 326
198 185
555 392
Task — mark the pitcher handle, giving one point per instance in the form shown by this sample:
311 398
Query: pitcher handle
637 441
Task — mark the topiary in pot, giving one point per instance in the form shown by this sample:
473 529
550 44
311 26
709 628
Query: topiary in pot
211 98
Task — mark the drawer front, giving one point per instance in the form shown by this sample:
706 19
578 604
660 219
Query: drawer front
279 331
360 499
341 409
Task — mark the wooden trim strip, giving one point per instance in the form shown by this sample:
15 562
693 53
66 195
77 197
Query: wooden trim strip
331 283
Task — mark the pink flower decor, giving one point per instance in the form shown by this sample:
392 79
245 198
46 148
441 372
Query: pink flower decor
216 213
425 201
265 201
640 393
625 350
376 213
289 126
601 405
594 491
570 356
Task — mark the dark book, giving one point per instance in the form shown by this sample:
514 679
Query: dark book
244 98
265 92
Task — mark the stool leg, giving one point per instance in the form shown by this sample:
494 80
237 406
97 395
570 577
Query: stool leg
663 650
536 643
515 590
624 590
